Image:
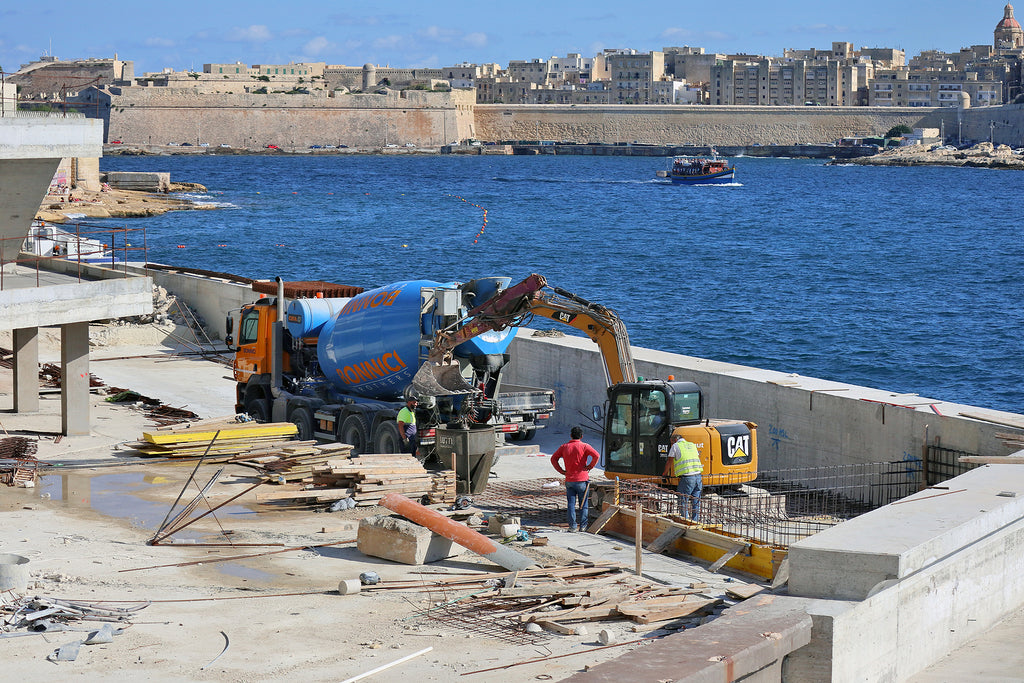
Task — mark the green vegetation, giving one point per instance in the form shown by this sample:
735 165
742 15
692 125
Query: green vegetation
899 130
260 91
261 77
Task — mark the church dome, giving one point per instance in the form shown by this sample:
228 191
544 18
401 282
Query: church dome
1008 21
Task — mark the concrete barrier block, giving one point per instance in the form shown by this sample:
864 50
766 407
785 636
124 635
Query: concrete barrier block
397 539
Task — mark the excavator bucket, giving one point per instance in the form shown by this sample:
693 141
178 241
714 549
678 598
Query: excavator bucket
441 379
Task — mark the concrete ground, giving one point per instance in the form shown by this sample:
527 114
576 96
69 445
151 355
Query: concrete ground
84 531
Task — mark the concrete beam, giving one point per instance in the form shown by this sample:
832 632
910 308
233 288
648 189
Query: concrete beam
748 642
79 302
26 370
74 379
34 135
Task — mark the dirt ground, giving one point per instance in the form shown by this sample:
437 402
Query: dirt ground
85 525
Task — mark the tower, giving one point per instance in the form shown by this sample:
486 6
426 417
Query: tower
1008 34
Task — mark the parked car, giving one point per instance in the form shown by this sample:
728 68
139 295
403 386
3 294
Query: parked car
223 144
391 145
115 142
330 147
342 146
272 147
172 144
409 144
204 144
316 146
186 144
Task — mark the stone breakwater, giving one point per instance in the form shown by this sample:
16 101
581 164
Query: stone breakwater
982 155
118 203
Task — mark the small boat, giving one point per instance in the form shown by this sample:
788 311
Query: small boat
699 170
47 240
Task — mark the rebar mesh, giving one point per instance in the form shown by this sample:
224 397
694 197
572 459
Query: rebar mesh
783 506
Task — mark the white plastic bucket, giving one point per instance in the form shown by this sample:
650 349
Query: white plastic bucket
13 572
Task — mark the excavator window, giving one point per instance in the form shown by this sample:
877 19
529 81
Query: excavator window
686 407
652 412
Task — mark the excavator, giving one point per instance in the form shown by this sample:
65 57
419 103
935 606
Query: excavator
640 415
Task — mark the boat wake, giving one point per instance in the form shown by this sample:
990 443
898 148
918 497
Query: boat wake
204 200
572 181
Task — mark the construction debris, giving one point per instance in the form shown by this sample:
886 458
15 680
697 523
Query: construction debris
49 615
18 464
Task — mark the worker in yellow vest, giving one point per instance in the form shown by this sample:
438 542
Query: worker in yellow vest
684 462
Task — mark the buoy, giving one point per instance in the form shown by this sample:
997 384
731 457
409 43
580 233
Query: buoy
181 246
405 245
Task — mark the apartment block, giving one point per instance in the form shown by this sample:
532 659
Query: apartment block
633 76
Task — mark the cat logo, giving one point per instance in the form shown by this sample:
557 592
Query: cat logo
738 446
563 317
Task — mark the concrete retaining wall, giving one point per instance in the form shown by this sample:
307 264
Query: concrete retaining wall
802 421
943 568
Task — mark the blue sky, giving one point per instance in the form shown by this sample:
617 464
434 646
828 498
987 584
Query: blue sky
185 35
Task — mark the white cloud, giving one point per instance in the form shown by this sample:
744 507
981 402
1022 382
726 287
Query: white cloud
390 42
256 33
318 46
475 39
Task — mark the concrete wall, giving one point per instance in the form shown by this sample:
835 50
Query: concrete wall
163 115
802 421
904 585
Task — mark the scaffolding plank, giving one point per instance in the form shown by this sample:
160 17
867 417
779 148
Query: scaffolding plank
728 555
601 521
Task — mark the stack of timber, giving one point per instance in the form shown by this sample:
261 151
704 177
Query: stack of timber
220 439
366 479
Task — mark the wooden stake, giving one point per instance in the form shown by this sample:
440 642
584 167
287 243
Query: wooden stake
639 539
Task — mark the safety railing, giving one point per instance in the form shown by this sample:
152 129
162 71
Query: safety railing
79 244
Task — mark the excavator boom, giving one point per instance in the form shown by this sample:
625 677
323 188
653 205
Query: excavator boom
508 308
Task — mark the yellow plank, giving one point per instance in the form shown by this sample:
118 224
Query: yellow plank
248 431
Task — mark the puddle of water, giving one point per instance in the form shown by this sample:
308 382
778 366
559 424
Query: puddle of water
121 496
235 569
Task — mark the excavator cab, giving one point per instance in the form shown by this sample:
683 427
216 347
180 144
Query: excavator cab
640 421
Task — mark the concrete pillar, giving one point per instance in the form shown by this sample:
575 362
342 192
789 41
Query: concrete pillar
26 370
74 395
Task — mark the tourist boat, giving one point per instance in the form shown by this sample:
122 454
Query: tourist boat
47 240
699 170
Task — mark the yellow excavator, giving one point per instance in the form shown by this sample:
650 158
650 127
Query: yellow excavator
640 416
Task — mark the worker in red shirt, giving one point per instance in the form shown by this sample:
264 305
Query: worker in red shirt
575 459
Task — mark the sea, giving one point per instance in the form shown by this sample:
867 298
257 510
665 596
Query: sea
904 279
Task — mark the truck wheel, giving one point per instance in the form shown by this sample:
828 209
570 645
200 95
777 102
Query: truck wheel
528 434
386 438
302 417
257 409
355 432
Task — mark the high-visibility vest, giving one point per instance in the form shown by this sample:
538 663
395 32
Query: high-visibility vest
686 459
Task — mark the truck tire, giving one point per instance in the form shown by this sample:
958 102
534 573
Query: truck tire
257 410
302 417
386 438
528 434
355 432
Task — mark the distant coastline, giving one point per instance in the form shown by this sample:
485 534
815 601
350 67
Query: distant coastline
981 155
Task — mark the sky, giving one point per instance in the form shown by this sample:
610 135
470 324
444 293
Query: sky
415 34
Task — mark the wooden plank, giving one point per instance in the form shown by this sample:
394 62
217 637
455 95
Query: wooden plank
728 555
992 459
743 591
601 521
577 614
782 575
665 540
555 627
667 613
244 431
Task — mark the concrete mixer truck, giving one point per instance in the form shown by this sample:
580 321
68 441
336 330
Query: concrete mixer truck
340 367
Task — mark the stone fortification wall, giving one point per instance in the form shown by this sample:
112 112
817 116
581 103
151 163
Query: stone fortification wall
690 125
162 115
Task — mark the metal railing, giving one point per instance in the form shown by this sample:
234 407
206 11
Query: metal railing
76 243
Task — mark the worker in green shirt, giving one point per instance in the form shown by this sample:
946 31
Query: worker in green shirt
684 462
407 425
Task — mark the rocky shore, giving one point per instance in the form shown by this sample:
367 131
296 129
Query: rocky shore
112 203
981 155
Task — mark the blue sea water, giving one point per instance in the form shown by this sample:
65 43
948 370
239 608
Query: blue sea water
906 279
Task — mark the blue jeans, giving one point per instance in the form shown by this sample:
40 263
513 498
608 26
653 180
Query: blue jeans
577 490
689 490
